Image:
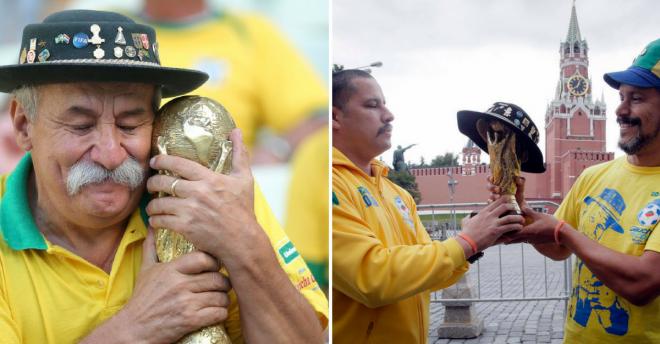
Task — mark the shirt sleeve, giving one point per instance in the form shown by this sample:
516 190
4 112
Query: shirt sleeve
290 261
569 209
375 275
289 88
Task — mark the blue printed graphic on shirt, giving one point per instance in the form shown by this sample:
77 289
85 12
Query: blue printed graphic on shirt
594 302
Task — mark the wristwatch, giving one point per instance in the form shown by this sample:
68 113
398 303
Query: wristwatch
473 258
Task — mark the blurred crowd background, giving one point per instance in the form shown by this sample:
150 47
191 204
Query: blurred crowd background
268 64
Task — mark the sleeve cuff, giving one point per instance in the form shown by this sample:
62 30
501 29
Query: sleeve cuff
455 252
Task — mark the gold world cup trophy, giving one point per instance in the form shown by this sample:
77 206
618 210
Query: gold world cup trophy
504 163
195 128
511 139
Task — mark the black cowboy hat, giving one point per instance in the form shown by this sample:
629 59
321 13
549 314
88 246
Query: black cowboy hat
84 45
527 134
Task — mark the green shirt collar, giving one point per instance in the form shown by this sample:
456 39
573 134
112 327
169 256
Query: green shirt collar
16 221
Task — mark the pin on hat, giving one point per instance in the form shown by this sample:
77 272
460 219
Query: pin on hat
75 62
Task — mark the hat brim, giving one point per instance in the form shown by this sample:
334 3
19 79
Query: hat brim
174 81
467 124
633 76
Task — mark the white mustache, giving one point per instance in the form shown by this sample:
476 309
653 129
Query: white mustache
85 172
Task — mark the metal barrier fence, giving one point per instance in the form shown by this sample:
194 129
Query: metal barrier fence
508 273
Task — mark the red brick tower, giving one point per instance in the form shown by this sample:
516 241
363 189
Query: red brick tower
471 158
574 123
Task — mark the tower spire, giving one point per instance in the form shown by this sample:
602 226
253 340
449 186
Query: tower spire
573 34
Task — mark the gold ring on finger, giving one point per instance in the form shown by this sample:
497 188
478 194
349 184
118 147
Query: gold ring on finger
173 186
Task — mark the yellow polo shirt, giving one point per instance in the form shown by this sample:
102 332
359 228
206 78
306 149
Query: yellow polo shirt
50 295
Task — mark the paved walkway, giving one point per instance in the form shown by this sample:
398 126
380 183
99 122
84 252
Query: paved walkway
513 321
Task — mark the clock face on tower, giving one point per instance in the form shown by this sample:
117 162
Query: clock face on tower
578 85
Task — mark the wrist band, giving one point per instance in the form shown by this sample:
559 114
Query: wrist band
557 228
470 242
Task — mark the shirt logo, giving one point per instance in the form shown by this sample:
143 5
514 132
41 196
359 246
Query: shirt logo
288 252
404 210
368 199
335 200
647 218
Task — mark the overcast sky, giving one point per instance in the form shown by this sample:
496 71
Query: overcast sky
441 56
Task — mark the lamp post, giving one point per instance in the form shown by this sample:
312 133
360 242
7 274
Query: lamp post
451 183
368 67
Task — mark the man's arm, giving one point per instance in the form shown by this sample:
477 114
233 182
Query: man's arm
376 274
635 278
216 213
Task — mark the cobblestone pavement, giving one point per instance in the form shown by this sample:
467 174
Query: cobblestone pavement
513 321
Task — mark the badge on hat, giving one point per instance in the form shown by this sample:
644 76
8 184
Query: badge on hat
62 38
119 52
80 40
44 55
130 51
32 54
120 39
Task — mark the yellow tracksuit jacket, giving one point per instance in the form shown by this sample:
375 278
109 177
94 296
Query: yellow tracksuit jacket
384 262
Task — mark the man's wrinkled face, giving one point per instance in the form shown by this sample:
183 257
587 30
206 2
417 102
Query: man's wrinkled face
365 120
638 116
91 145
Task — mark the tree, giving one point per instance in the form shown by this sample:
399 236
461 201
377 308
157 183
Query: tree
446 160
407 181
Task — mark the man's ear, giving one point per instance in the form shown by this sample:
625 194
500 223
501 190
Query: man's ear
337 118
22 125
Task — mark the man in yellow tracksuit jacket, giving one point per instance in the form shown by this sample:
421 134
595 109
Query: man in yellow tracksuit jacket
384 263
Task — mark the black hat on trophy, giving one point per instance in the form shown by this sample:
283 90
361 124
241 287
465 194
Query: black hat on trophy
84 45
527 134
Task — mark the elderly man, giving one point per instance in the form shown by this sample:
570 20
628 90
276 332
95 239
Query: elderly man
384 263
608 220
73 265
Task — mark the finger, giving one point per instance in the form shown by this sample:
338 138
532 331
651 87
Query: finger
240 157
185 168
163 183
149 256
165 206
494 204
510 219
210 281
212 299
212 315
503 206
195 263
520 189
172 222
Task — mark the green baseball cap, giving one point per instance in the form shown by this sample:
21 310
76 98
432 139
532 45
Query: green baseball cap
644 72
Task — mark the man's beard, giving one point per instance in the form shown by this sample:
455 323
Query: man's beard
86 172
635 144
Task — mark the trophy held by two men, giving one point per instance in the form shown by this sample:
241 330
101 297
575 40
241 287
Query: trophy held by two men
511 139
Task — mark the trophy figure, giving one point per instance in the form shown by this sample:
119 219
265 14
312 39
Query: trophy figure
195 128
511 139
504 164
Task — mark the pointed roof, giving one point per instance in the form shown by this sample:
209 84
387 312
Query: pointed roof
573 34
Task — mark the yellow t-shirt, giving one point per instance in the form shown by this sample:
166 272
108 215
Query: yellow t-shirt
50 295
253 70
618 205
307 210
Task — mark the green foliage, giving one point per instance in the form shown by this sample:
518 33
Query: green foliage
406 181
446 160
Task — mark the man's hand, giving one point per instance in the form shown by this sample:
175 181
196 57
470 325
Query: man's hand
214 211
540 230
496 191
169 301
489 224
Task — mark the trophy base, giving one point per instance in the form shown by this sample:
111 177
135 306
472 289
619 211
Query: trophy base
511 199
